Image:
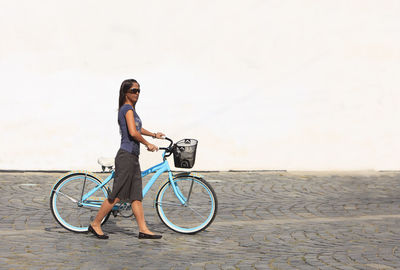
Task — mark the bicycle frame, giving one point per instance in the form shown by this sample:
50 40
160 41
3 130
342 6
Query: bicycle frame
158 169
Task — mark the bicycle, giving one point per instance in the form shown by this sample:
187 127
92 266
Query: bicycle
185 203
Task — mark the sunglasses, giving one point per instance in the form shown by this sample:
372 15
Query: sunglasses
133 91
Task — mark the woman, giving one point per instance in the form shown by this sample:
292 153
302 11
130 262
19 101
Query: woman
127 185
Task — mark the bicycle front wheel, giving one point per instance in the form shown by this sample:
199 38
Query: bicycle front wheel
66 201
198 211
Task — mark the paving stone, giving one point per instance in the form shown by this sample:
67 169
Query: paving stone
266 220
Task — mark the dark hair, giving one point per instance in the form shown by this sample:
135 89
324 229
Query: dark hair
125 86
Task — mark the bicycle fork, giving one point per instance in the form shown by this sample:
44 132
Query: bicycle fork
177 191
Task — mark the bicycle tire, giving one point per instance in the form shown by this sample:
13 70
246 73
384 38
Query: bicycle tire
70 183
170 209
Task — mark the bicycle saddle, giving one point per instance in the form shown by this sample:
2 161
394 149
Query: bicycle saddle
106 163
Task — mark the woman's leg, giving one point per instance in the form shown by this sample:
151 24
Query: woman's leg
104 210
137 209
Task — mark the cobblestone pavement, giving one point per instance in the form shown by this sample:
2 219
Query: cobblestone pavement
266 220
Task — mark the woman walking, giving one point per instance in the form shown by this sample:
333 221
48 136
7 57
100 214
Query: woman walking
127 185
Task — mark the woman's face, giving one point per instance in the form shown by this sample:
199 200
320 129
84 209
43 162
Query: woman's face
133 93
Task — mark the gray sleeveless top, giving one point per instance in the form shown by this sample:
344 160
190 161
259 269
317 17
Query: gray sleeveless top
128 143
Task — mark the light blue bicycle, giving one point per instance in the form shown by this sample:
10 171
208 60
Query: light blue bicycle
185 203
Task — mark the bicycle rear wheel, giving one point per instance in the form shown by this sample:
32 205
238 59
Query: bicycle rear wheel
196 214
65 201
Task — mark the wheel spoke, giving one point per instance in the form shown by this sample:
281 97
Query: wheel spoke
168 203
196 212
69 197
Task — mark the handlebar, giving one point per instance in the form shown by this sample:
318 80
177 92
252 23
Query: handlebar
168 150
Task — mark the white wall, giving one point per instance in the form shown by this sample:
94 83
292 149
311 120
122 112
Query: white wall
298 85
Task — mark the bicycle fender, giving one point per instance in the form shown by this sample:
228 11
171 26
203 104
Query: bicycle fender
183 174
72 173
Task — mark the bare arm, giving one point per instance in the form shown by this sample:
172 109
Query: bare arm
130 121
157 135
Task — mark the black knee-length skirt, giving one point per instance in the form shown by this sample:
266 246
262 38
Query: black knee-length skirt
127 184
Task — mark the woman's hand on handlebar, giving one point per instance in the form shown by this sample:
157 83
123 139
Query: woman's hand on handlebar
160 135
151 147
